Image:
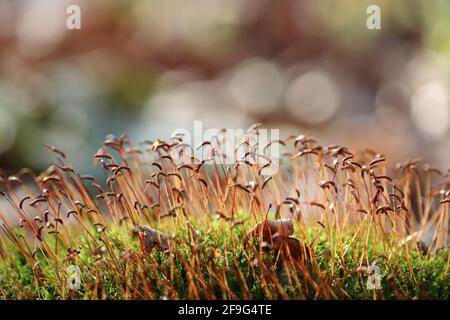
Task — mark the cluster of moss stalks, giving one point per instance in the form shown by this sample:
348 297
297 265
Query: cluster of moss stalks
353 212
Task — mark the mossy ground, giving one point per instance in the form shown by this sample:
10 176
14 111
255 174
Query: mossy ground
211 262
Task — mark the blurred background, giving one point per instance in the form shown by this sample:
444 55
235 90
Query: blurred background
147 67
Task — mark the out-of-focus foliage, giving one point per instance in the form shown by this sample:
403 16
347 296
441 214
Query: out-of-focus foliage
148 67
